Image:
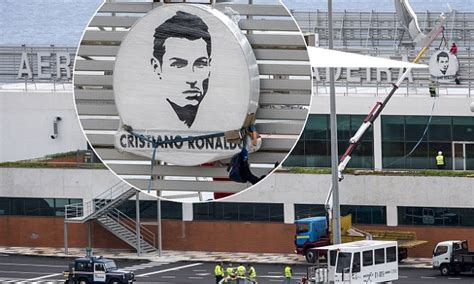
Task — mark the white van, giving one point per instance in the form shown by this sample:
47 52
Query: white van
356 262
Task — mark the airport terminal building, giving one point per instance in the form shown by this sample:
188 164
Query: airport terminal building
428 114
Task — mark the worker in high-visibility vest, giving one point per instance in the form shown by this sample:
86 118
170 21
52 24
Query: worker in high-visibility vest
230 271
288 273
241 271
440 161
252 273
219 272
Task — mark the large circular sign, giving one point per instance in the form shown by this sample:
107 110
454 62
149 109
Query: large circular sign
184 70
443 66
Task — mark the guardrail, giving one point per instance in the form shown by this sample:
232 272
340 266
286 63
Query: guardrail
130 224
82 210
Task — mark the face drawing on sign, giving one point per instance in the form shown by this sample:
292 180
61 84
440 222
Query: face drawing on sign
443 62
181 60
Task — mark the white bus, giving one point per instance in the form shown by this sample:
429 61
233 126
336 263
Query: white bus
356 262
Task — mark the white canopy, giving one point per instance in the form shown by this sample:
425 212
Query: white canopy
321 57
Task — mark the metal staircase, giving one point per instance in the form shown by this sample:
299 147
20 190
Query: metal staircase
103 208
124 227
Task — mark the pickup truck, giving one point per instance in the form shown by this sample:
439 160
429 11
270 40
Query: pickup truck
88 270
453 257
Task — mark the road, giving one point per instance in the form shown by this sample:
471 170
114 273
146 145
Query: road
24 269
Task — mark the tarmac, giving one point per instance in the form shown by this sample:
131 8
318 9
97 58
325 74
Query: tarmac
193 256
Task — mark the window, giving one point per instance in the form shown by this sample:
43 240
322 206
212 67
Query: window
436 216
379 256
333 257
343 262
34 206
99 267
238 211
313 149
356 263
400 134
365 214
440 250
391 254
302 228
309 210
148 209
368 258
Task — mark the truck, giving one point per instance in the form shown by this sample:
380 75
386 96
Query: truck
88 270
313 232
453 257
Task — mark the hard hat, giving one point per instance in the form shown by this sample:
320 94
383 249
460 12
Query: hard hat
440 153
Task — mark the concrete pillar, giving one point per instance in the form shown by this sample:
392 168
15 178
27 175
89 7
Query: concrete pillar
288 213
377 127
187 211
392 216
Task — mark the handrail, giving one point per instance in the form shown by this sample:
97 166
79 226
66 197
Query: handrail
130 225
82 210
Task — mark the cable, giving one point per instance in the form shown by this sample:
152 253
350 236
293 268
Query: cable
421 139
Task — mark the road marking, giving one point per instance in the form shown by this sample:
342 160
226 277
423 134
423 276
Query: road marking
169 277
203 274
30 264
169 269
43 277
200 270
428 277
454 278
402 276
274 272
22 272
194 277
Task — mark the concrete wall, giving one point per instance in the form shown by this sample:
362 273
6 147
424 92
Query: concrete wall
26 124
364 190
55 183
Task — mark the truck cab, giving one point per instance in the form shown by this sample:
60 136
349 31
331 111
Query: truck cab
87 270
311 232
453 257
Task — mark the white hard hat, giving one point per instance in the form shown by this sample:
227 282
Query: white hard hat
440 153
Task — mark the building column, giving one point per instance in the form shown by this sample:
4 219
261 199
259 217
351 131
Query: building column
392 216
187 211
288 213
377 144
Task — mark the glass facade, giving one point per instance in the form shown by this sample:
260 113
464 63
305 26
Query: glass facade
309 210
34 206
234 211
360 214
148 209
436 216
400 134
314 147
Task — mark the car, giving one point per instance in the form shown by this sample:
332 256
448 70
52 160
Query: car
88 270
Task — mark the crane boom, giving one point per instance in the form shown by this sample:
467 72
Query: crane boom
379 106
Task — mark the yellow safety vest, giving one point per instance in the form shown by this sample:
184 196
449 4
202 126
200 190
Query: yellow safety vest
252 272
218 271
288 272
241 271
440 160
229 270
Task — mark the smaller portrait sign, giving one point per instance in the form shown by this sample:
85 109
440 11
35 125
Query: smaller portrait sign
443 66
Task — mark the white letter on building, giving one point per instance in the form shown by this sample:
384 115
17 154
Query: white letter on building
63 66
43 64
24 66
386 71
350 78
